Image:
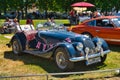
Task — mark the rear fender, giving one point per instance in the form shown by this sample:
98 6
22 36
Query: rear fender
21 37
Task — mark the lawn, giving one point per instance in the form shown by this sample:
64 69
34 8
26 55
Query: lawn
11 64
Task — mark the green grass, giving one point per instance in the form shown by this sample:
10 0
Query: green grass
36 22
11 64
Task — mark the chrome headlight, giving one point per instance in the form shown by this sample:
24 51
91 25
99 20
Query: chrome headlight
87 49
99 43
79 46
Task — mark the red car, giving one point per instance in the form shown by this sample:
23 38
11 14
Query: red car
106 27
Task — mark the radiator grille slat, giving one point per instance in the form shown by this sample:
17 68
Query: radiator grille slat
88 43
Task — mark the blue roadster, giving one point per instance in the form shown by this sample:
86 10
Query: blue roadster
63 46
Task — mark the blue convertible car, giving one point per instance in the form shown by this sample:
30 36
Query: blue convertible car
63 46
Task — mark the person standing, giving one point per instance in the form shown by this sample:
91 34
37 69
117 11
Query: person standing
96 14
19 16
29 21
72 16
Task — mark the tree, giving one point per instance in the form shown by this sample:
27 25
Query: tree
55 5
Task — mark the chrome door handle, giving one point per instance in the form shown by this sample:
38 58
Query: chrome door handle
97 30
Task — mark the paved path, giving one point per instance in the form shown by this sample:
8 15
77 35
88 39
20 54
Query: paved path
9 37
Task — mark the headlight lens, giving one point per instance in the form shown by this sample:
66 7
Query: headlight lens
99 43
79 46
87 50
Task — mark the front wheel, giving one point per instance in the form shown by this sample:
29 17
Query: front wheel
103 58
16 47
62 59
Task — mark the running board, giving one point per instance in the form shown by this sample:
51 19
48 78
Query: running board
38 53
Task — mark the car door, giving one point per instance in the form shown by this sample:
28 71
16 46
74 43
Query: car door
106 30
88 27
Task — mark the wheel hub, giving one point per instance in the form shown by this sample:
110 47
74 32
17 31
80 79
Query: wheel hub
61 60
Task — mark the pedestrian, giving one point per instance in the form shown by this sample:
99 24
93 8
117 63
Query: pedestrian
19 16
29 21
96 14
72 16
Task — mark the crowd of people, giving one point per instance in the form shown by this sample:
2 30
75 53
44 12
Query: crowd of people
76 18
50 22
10 24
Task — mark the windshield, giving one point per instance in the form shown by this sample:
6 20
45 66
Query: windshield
116 21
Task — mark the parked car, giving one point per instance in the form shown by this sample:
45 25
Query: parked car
106 27
116 14
9 26
11 14
63 46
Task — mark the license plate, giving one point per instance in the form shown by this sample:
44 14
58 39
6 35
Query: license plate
93 60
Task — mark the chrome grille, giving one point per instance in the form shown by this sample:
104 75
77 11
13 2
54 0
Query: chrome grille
88 43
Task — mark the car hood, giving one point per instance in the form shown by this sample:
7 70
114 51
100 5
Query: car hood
61 35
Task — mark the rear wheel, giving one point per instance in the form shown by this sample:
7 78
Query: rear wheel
16 47
62 60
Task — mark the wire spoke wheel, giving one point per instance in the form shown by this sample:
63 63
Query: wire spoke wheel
62 60
16 47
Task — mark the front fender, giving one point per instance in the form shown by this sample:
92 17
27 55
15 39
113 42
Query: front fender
104 43
69 48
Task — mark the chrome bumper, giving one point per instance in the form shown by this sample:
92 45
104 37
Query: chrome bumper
75 59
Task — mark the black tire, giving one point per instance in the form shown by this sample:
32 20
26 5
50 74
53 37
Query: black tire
62 60
2 31
103 58
7 31
87 34
16 47
105 47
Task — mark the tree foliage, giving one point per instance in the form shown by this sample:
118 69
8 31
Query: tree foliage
55 5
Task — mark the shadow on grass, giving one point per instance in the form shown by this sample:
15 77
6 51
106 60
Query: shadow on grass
115 48
48 64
